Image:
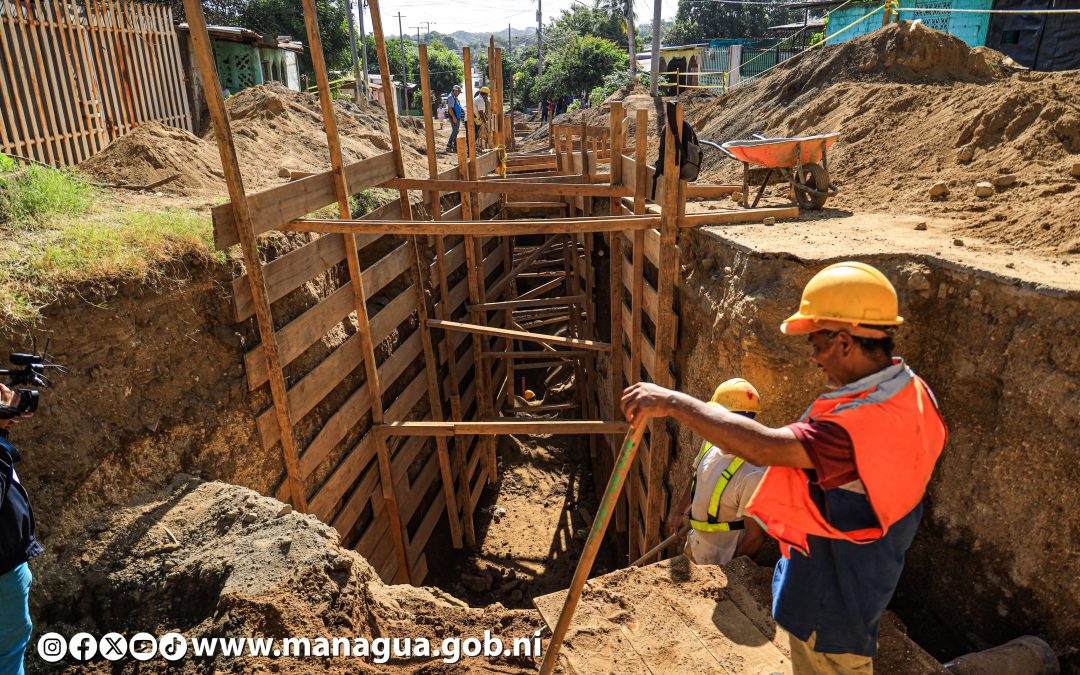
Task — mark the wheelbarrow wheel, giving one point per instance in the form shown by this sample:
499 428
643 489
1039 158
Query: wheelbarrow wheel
816 177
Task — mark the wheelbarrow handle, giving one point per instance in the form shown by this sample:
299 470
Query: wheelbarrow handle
718 147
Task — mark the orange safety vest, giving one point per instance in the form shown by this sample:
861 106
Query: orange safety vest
897 434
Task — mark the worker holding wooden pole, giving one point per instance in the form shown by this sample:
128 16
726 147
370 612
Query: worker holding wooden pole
845 483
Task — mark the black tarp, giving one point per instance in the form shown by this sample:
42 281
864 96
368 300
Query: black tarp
1038 41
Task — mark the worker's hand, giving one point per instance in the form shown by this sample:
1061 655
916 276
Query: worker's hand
676 522
645 400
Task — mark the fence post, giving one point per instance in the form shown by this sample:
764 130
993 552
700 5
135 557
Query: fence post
734 62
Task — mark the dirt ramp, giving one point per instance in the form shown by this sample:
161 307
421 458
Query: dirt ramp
217 560
154 152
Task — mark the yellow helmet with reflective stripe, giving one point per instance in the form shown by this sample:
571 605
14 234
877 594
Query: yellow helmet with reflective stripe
845 296
737 395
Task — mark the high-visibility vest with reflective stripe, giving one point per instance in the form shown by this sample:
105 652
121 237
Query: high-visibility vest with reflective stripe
714 524
897 435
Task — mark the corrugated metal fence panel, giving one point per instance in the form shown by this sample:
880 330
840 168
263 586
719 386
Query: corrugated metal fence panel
75 77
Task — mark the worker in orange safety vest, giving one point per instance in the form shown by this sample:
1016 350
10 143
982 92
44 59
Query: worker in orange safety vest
844 488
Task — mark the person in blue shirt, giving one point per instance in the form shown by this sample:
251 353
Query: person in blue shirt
454 112
17 546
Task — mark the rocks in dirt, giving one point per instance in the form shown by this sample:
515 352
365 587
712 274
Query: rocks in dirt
939 189
1075 170
284 511
921 226
768 222
957 242
966 154
478 583
918 282
1004 180
984 188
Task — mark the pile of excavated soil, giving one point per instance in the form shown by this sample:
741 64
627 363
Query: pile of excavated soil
273 128
915 108
217 560
154 152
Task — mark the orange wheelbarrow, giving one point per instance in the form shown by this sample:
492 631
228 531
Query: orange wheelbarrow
802 161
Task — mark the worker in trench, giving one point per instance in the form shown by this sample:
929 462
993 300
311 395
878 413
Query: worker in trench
713 505
844 486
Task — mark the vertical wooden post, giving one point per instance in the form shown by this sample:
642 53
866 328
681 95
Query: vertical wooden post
660 438
615 263
204 56
470 132
431 364
637 297
386 472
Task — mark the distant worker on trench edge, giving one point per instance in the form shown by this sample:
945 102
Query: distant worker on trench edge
480 112
714 503
845 484
453 109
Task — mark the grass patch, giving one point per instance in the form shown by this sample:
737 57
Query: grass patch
32 194
126 244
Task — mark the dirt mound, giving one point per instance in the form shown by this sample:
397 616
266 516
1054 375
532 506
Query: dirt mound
217 560
153 152
916 108
273 127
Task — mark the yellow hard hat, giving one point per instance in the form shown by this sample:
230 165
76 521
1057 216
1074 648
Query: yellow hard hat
485 90
843 296
737 395
528 395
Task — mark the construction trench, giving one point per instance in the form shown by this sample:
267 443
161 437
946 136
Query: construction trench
393 410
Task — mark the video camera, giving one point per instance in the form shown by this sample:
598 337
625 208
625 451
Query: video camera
31 372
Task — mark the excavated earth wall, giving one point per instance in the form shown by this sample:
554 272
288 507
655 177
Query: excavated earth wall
994 558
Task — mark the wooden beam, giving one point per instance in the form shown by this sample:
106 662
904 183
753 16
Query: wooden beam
496 228
565 354
500 427
509 187
245 233
541 289
385 470
519 335
738 216
536 302
543 407
497 287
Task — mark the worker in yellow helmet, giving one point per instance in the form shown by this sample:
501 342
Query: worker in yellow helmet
480 111
714 504
844 488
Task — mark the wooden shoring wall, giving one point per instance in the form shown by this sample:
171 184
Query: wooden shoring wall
77 76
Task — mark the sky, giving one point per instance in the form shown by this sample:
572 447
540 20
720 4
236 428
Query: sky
447 16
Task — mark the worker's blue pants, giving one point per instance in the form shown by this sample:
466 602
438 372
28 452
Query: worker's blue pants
451 144
15 623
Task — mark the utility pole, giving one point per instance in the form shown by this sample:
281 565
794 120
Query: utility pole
363 49
417 34
355 58
654 66
427 29
631 40
540 36
404 82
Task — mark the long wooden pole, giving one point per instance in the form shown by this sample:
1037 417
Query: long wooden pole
592 544
230 165
371 370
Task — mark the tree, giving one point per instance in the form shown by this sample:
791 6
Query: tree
445 69
702 21
605 19
577 65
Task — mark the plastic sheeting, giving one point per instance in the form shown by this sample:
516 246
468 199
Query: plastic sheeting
1038 41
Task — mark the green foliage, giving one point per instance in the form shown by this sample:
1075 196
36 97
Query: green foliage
445 69
369 199
613 83
32 194
6 163
578 66
703 21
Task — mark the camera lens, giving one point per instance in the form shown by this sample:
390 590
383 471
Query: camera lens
27 401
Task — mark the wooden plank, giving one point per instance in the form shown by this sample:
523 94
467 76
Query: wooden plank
278 205
519 335
303 331
483 228
738 216
292 270
565 354
531 302
509 187
203 53
502 427
543 407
